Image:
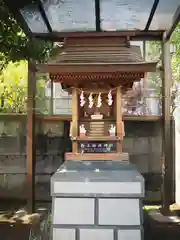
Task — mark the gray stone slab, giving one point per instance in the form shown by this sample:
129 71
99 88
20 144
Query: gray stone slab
141 161
141 145
156 162
97 177
128 145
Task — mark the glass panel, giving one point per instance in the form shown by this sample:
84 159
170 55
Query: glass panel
43 94
62 101
153 79
70 15
143 99
57 102
33 18
124 14
164 14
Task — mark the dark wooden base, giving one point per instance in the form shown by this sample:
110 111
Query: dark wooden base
15 231
96 156
21 226
158 226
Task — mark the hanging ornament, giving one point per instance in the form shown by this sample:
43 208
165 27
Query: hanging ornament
90 98
110 100
99 101
82 100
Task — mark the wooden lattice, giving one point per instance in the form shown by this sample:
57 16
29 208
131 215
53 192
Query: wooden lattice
117 78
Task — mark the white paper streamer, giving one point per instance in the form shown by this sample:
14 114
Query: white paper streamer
110 101
91 103
82 100
99 101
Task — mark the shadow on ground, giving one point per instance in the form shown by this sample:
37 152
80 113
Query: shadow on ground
160 230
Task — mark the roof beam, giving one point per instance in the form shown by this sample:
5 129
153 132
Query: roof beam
97 15
175 21
151 15
44 16
133 35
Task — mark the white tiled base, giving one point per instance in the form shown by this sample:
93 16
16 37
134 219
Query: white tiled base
123 212
75 211
100 234
103 205
129 234
64 234
97 187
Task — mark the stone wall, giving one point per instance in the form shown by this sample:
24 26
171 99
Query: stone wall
142 141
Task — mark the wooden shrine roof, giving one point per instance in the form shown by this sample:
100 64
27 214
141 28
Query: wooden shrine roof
101 50
108 59
77 55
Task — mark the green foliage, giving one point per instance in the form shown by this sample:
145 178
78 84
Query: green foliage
154 54
175 39
13 88
176 57
153 50
15 49
14 45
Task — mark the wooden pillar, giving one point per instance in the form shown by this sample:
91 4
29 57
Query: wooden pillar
118 119
66 138
74 119
30 144
144 50
52 98
167 154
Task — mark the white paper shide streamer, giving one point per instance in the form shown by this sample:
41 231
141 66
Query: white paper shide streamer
99 101
91 103
82 100
110 100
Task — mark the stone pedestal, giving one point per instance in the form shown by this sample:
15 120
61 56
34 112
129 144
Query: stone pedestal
97 200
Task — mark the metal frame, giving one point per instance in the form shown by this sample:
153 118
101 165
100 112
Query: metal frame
145 34
44 16
135 35
97 15
151 15
176 20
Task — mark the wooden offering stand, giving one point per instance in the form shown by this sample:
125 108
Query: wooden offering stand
97 71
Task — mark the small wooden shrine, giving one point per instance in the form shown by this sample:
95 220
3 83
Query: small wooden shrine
97 71
102 61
